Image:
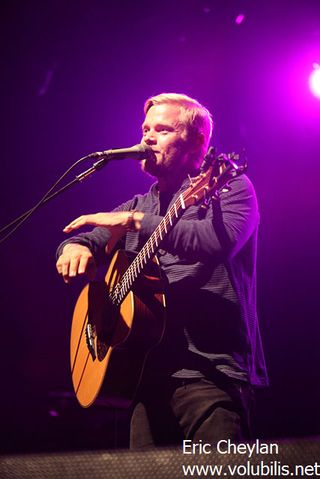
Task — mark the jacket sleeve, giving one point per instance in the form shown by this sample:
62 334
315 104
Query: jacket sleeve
221 234
97 239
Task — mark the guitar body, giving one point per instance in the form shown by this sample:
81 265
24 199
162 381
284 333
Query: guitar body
109 345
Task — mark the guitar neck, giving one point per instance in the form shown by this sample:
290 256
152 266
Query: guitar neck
202 188
149 250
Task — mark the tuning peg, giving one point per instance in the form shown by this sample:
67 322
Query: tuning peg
216 196
226 188
206 199
208 159
204 205
191 180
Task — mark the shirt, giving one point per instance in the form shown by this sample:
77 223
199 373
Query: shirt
209 261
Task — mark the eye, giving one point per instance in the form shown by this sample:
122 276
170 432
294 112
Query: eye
164 129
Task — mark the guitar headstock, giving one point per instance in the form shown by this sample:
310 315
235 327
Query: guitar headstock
215 178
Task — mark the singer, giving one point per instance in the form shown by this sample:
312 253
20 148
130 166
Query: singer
198 382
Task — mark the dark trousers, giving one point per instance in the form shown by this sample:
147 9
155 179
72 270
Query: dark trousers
190 409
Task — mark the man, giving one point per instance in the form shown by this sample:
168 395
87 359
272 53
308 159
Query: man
197 383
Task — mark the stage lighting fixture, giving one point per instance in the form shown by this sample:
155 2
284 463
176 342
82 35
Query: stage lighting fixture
314 80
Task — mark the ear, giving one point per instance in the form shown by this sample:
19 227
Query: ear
196 139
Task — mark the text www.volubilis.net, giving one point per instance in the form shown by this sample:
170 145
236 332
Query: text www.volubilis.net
261 469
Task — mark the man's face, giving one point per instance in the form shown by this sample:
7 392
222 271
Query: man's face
163 131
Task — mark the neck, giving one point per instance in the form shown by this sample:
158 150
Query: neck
169 184
172 182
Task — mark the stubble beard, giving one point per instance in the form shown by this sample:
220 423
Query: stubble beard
168 166
154 167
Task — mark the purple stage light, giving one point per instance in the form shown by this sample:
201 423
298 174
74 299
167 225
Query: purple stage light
314 80
239 19
53 413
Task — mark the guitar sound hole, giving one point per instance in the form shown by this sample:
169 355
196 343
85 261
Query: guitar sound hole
102 349
102 314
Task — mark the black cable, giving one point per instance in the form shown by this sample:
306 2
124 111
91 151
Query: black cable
22 218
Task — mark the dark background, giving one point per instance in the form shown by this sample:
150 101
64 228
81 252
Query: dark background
74 79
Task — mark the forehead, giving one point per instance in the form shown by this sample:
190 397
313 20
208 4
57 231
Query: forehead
163 113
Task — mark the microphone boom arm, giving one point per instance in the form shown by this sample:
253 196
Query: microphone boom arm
105 158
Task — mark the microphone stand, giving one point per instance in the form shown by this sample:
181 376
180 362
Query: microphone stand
78 179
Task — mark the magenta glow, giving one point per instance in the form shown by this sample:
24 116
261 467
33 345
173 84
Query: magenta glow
314 81
239 19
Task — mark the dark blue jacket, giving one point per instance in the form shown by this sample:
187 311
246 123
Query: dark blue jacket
209 260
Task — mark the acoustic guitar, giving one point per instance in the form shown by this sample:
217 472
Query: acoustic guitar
118 321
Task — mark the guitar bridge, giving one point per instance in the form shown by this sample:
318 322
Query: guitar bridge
90 332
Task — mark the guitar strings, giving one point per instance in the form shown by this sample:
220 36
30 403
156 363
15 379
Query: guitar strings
148 250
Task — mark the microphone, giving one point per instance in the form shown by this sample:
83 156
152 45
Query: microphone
137 152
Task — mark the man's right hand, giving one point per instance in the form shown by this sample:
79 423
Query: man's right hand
75 259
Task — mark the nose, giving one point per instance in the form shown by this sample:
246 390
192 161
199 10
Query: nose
149 137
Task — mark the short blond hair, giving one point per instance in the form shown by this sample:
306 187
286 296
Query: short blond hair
194 115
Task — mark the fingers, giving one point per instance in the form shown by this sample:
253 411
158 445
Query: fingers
74 266
81 266
97 219
116 219
62 266
77 223
75 259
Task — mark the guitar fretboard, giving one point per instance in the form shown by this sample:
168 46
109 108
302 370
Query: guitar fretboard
206 186
148 251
